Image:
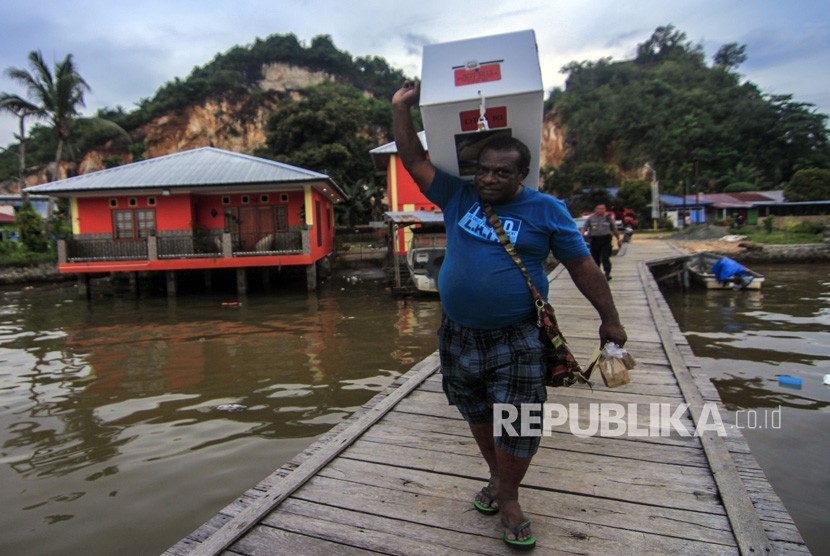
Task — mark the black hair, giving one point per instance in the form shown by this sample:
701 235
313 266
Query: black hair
508 143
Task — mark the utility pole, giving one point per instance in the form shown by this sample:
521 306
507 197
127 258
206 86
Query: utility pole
655 196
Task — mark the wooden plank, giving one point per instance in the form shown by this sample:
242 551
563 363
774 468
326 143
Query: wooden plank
447 432
250 516
437 499
666 485
746 525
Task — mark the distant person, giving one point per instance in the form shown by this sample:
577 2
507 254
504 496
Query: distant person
491 349
600 228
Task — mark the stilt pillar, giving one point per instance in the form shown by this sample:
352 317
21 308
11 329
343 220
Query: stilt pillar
311 277
83 286
171 283
241 281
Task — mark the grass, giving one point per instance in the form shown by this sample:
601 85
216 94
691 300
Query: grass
20 256
781 237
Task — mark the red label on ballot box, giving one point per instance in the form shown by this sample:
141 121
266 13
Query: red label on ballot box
481 74
496 117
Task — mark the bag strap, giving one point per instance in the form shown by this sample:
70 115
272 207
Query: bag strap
538 300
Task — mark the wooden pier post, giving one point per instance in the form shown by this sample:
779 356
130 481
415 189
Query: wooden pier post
241 281
171 283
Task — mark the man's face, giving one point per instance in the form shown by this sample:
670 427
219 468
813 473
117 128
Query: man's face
499 178
600 210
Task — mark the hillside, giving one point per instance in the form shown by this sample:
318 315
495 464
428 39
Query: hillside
227 103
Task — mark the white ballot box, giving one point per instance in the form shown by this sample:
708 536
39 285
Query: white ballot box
498 74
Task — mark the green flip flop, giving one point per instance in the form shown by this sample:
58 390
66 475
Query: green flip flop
525 544
489 509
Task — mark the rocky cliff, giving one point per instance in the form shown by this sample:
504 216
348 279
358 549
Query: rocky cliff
237 123
554 147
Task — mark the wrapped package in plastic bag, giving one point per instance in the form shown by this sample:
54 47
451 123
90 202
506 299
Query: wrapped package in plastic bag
614 363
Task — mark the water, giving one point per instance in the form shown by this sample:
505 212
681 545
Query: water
126 423
746 340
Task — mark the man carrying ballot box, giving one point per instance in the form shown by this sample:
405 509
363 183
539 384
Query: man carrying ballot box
490 347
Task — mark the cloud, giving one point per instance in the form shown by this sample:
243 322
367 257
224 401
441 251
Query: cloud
127 51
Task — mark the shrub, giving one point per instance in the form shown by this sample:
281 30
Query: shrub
769 223
808 184
31 228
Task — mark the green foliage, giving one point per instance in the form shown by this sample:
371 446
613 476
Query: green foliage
329 131
739 187
235 72
14 253
692 122
240 70
769 223
112 161
137 150
363 204
556 182
730 56
636 195
594 175
806 227
31 228
788 237
809 184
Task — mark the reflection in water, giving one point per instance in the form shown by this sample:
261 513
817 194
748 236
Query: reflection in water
745 341
109 411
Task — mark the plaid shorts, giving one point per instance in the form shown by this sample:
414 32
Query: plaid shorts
484 367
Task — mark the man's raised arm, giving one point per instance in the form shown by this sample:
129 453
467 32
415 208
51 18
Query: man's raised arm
410 150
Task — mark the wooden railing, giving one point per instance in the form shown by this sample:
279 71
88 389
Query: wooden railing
76 250
89 250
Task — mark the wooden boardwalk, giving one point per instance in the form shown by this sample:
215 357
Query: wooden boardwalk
399 476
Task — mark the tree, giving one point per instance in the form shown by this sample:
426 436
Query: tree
23 109
56 95
730 56
809 184
694 123
331 130
635 195
32 233
361 205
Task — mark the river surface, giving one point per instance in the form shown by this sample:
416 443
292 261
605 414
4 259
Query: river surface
126 423
746 341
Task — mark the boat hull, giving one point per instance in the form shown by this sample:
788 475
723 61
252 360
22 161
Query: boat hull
698 267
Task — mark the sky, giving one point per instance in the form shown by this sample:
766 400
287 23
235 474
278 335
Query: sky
127 50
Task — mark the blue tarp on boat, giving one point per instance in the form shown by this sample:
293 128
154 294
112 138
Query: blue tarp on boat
726 268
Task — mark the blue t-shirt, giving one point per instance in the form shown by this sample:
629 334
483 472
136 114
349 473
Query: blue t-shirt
480 285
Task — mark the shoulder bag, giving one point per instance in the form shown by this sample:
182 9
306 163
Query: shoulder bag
562 367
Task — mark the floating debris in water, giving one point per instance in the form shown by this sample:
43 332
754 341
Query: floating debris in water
792 381
827 380
231 407
231 304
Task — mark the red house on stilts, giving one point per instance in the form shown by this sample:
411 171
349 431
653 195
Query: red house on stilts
203 209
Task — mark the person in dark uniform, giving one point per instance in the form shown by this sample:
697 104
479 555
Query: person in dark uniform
600 228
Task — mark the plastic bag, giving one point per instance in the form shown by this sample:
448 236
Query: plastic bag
614 363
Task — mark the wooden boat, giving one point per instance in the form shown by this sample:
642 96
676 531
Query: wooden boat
715 272
425 257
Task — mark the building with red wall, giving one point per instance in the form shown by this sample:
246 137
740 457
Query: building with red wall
200 209
407 205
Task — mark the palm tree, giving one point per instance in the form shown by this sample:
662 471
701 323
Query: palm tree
21 108
56 96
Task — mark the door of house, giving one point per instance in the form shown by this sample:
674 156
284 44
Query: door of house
254 224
